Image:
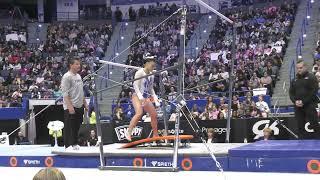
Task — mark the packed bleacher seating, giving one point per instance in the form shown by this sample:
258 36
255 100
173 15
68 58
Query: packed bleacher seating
261 40
163 42
316 66
35 72
262 37
13 55
67 37
260 45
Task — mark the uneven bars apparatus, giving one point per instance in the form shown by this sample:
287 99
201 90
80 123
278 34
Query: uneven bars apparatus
180 84
99 131
180 80
118 64
233 56
176 142
161 90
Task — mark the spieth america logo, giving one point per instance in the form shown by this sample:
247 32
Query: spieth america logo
259 126
170 131
31 162
121 130
161 164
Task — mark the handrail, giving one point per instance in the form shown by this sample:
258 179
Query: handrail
114 53
101 81
298 49
303 32
301 40
292 70
308 11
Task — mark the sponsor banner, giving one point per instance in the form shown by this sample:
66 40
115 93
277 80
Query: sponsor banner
159 162
308 128
183 129
25 161
219 127
31 162
242 130
249 130
257 127
121 128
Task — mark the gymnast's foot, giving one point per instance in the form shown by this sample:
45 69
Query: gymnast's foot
158 141
155 134
128 135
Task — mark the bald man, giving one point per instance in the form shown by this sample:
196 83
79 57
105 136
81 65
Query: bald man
303 94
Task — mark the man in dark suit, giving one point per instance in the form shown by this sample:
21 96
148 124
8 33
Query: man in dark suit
303 94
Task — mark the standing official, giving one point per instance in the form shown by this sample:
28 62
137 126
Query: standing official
303 93
73 103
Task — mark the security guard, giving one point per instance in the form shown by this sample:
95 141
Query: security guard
303 93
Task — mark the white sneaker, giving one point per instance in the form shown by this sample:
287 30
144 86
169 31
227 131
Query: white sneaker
76 147
69 148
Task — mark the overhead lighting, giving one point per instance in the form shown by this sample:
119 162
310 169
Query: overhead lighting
210 17
308 17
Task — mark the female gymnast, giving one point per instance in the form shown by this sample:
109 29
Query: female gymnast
143 97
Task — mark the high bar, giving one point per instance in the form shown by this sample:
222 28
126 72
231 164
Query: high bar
119 65
132 80
214 11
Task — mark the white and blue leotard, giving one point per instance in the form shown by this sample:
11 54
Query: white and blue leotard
144 87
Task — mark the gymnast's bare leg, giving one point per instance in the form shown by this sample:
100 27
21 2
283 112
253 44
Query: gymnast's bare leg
141 99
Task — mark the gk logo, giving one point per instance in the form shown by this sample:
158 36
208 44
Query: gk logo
258 130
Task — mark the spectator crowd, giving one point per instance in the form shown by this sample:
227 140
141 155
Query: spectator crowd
36 71
316 65
261 40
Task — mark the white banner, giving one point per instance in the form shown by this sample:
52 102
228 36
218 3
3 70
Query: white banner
16 37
